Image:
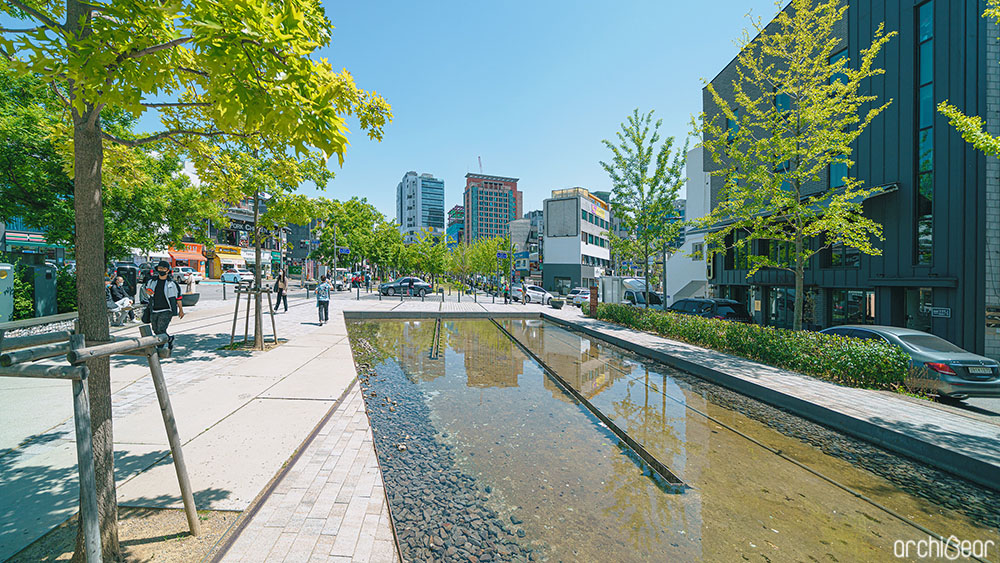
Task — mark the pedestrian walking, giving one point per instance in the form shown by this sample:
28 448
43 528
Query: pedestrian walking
122 299
281 286
411 287
163 303
323 300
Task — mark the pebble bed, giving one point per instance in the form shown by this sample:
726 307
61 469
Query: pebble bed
918 479
439 513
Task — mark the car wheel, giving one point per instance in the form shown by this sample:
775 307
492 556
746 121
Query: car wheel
390 291
422 292
548 302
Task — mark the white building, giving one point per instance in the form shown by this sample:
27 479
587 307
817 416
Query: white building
686 271
420 205
577 249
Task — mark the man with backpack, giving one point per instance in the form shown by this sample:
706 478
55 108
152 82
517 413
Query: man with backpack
163 302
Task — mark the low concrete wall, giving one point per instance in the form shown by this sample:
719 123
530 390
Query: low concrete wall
404 315
948 459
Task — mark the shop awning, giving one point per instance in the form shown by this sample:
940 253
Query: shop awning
184 255
230 259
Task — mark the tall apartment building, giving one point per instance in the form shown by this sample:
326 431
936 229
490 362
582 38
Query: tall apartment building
491 202
420 205
456 225
939 270
577 250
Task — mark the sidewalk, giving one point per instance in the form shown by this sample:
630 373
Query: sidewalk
240 415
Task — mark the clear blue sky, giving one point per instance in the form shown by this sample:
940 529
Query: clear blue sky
531 87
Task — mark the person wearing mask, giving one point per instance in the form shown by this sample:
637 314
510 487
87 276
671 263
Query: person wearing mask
163 302
123 301
323 300
280 287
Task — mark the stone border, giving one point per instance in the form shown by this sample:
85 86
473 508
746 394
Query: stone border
418 315
953 461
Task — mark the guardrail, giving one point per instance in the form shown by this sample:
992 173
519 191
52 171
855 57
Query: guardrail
16 357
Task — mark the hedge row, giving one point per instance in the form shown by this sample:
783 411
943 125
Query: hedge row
848 361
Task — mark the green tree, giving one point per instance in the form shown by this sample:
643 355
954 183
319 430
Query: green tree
211 70
148 203
794 113
645 178
972 127
250 167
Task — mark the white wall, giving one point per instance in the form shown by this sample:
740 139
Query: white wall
685 276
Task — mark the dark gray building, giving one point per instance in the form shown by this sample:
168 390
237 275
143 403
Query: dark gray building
940 210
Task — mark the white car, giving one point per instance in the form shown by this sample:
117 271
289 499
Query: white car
182 274
576 295
534 294
237 275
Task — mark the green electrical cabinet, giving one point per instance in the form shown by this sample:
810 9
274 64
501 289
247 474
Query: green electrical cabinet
6 292
45 290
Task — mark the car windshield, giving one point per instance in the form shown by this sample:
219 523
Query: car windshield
929 343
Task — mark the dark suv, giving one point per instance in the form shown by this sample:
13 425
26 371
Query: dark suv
725 309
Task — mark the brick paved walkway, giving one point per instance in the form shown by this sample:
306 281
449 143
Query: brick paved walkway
330 506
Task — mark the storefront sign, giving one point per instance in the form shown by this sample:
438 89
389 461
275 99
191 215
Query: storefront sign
941 312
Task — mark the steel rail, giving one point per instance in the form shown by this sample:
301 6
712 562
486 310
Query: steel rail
654 464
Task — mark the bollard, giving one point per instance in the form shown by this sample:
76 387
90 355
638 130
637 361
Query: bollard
359 293
223 291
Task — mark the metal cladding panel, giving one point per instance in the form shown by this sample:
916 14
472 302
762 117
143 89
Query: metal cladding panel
562 217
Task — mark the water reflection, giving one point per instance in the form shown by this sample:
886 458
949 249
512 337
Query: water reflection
548 462
750 502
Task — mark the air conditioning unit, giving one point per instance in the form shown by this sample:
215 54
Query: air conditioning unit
710 268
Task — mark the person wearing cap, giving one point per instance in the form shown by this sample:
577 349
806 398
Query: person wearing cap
164 301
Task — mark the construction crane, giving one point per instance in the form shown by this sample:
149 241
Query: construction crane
480 164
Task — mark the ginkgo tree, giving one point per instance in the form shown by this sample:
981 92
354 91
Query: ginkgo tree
793 116
246 66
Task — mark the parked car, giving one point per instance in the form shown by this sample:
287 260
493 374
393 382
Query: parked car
725 309
237 275
402 285
937 365
582 299
182 274
576 292
638 298
533 294
146 272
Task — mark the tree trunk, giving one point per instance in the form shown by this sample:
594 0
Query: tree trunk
88 153
258 317
799 282
645 273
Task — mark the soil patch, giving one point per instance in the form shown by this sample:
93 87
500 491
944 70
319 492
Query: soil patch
146 534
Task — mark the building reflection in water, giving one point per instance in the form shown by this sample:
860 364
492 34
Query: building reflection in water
488 356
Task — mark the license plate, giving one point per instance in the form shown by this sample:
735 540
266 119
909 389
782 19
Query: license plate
980 370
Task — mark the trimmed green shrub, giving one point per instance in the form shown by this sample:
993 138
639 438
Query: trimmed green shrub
65 291
848 361
24 293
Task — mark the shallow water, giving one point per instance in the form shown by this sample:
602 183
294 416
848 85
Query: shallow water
542 465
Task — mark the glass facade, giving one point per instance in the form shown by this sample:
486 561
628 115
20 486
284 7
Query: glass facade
838 170
924 210
432 203
851 306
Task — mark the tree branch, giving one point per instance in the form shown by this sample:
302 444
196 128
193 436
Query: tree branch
175 104
58 93
35 14
159 136
25 30
193 71
154 49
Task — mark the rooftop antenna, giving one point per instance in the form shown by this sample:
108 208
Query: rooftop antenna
480 164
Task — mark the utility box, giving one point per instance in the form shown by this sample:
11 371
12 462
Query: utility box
45 290
6 292
130 275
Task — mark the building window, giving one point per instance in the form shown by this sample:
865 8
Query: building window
697 249
733 126
849 306
923 227
839 255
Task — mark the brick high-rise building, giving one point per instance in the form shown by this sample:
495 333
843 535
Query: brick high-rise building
491 202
